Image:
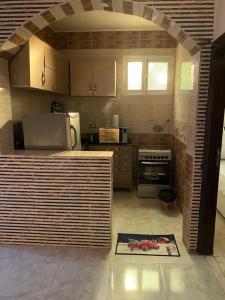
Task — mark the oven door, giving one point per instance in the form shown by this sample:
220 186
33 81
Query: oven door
154 172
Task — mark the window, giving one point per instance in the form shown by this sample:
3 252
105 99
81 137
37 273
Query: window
147 75
134 76
157 76
187 76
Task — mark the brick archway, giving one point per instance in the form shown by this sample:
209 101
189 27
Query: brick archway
73 7
194 40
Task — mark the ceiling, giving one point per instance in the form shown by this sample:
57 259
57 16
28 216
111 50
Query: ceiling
102 21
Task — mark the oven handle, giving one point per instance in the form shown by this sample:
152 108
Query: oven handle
154 163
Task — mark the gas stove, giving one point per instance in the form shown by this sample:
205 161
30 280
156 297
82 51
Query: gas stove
154 172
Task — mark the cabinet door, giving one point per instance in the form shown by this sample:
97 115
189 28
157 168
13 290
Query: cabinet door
104 78
62 75
36 58
51 57
57 63
81 78
50 83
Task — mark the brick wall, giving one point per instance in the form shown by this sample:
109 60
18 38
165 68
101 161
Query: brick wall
152 140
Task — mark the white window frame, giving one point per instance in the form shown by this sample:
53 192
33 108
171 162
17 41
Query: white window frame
145 60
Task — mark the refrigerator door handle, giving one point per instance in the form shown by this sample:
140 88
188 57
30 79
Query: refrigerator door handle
73 136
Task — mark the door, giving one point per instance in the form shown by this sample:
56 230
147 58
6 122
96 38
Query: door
221 187
81 77
211 163
104 78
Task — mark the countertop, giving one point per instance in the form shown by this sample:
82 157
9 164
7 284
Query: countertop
58 153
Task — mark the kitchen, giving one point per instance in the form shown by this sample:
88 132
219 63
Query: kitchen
148 118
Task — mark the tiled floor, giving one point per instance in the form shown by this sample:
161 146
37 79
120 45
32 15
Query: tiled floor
54 273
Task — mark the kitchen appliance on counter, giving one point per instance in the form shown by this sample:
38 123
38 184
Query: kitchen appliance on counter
154 172
46 131
113 135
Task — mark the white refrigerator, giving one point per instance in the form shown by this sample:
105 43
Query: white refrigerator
52 131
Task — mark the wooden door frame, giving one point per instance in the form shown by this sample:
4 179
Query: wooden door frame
213 142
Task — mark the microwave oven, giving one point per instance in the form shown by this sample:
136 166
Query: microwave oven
113 135
52 131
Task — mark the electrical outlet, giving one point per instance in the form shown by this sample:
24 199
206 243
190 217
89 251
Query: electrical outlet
92 125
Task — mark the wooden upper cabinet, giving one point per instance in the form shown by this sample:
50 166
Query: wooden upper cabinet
104 78
37 65
81 77
93 78
27 66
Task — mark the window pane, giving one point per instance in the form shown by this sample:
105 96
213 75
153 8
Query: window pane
157 76
187 76
134 76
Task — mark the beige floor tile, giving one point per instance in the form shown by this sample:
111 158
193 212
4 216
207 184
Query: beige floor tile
79 280
88 255
26 278
37 252
219 240
7 251
135 281
195 282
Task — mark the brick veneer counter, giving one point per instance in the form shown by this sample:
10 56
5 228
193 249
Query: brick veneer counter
58 198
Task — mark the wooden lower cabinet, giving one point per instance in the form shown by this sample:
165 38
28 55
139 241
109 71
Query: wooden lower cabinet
122 164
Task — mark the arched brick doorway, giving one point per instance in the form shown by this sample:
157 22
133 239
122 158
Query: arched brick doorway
72 7
151 13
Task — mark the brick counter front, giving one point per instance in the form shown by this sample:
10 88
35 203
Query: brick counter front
56 198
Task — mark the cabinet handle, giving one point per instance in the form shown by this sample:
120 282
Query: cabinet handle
95 88
90 88
43 78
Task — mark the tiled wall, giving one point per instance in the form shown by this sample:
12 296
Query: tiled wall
185 102
137 112
115 40
25 102
107 39
6 137
183 176
183 144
